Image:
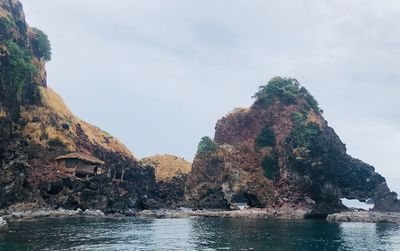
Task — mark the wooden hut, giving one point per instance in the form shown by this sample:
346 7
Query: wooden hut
80 164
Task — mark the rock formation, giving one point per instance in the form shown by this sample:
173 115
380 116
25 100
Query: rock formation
167 166
36 127
372 217
171 174
281 152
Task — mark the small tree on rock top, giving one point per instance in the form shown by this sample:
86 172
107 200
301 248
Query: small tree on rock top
206 145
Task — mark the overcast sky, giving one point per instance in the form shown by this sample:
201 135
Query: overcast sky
158 74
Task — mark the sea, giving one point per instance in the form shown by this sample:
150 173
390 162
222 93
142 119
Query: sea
197 234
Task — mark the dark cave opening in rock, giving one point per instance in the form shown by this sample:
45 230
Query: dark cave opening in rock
245 200
239 201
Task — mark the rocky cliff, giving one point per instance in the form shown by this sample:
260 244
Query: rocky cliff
36 127
281 152
171 174
167 166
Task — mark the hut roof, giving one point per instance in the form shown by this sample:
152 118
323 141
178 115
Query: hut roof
81 156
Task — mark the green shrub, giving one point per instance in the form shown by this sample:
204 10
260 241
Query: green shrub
286 90
270 166
20 69
312 102
5 27
303 132
265 138
41 45
206 145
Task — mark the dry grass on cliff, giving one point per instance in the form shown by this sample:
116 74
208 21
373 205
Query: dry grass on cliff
3 12
42 127
238 110
102 138
313 117
56 105
55 134
167 166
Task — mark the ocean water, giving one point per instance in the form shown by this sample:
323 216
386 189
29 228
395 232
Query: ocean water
198 234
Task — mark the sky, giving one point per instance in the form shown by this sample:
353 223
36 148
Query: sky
159 74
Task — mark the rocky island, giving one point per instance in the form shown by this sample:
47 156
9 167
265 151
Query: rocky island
281 152
279 158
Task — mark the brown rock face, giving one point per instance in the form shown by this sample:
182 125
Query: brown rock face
167 166
281 152
171 174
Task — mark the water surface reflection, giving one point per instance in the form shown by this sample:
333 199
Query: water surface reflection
198 234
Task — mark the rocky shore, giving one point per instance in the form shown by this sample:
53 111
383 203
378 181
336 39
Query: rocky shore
373 217
266 213
50 213
285 213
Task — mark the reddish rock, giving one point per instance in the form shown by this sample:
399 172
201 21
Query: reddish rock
281 152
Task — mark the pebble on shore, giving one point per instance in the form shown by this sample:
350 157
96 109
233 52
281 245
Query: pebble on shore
3 226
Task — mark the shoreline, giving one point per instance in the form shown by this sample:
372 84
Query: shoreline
366 216
286 214
50 213
158 213
283 214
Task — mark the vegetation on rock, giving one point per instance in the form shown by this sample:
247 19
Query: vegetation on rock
41 45
206 146
287 90
19 67
270 165
303 131
6 24
265 138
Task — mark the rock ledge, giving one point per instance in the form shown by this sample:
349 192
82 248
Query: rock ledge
373 217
